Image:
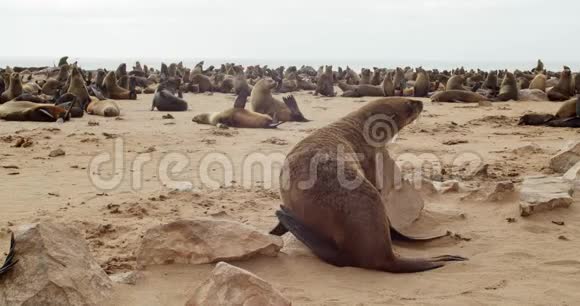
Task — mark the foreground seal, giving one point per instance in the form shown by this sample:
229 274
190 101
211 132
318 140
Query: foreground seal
237 116
333 202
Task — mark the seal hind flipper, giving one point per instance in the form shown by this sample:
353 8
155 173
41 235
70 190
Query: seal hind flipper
47 113
9 262
291 103
279 230
325 249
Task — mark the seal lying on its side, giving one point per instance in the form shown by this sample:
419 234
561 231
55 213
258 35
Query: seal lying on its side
332 194
237 116
458 96
30 111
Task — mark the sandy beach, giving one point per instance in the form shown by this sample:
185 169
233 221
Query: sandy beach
528 261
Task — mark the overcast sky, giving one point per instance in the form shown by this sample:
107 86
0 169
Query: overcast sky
429 30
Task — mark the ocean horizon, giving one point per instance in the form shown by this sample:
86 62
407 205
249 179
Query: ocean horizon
357 64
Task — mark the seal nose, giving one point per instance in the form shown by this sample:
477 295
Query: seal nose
417 105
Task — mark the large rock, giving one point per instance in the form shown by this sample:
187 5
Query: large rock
540 193
54 268
201 241
229 285
566 158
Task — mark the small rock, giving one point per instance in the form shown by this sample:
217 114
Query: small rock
230 285
10 167
560 223
167 116
56 153
567 158
562 237
275 141
544 193
93 123
128 278
54 267
110 136
502 191
454 142
447 186
200 241
511 220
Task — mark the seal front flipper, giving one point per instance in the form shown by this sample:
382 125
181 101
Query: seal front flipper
241 99
279 230
9 262
323 248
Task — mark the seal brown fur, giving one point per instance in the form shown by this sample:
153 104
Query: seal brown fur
112 91
237 116
539 82
509 88
325 83
458 96
422 84
14 88
563 90
346 225
105 108
568 109
263 102
455 83
30 111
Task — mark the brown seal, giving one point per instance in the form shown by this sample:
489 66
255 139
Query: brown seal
14 88
263 102
325 83
30 111
332 191
509 88
77 87
568 109
165 100
105 108
539 82
112 91
365 77
491 82
237 116
458 96
563 90
422 84
455 83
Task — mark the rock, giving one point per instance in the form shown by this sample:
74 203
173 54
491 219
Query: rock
532 95
55 267
567 158
128 278
502 191
167 116
56 153
540 193
201 241
447 186
229 285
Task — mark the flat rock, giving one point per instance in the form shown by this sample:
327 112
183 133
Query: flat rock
127 278
201 241
230 285
54 267
567 158
447 186
56 153
541 193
